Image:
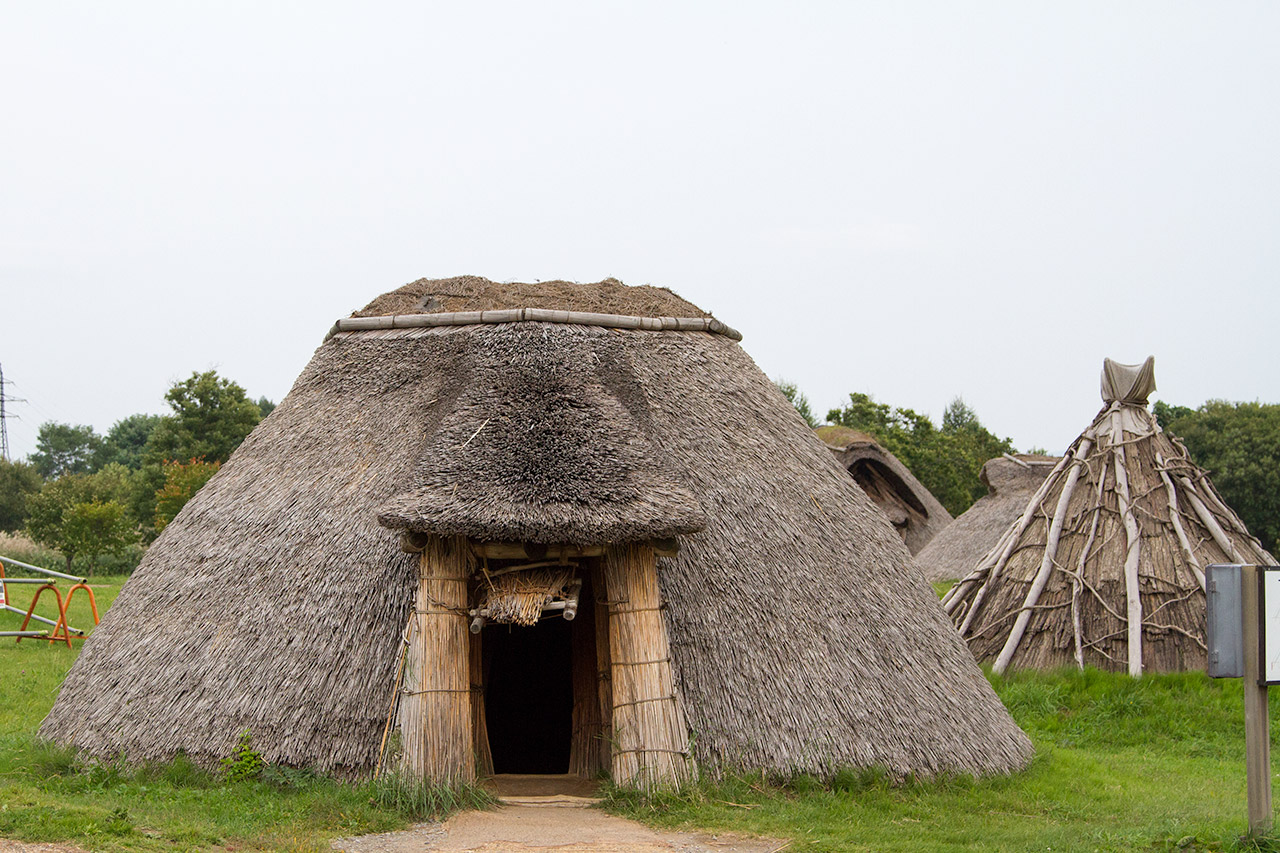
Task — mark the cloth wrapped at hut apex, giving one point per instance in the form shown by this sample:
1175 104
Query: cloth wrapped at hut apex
634 439
1105 564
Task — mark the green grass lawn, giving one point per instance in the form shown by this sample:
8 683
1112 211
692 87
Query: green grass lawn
1121 764
48 794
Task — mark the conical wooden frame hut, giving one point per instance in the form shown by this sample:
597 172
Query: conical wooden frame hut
382 576
1011 480
1105 565
911 508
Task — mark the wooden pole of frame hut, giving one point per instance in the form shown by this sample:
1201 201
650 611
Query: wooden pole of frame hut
650 735
436 716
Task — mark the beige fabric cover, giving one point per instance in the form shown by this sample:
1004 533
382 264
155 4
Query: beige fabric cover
1128 383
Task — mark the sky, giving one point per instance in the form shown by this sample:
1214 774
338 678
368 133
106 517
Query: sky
913 200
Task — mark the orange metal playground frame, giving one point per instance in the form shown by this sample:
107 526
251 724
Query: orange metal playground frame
62 631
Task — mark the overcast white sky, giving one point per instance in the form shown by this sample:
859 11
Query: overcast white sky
915 200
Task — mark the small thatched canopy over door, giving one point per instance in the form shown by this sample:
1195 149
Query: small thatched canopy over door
541 482
1105 565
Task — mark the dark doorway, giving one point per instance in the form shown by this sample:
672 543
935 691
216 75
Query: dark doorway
529 696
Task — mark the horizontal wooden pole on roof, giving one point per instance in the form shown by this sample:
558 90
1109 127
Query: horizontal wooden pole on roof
540 315
532 550
537 551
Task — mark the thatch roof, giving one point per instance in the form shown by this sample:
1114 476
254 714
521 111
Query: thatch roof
473 293
546 443
801 639
911 508
1105 565
1010 481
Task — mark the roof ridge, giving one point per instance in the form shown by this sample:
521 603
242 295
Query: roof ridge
535 315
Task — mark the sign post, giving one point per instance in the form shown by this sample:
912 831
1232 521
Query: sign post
1259 597
1243 622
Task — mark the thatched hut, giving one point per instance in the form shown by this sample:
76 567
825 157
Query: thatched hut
1105 565
383 574
911 508
1011 480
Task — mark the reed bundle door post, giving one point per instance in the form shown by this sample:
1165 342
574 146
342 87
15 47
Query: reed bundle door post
479 723
650 735
587 755
604 670
436 727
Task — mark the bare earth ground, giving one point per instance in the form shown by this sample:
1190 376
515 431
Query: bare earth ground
548 813
564 828
9 846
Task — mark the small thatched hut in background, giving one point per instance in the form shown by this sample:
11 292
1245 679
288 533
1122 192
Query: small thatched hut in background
384 572
1011 480
911 508
1105 565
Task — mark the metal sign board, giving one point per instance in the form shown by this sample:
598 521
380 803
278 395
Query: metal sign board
1269 623
1225 632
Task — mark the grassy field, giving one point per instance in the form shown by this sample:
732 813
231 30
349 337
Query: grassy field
1121 764
48 794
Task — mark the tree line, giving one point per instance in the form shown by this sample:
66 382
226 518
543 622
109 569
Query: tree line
1237 443
92 496
89 496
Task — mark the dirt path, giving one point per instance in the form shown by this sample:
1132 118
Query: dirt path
8 845
550 827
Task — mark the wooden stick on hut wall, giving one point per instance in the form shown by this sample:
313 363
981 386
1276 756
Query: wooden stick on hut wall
1133 552
1175 518
1211 523
1003 549
436 725
1046 564
1077 582
650 735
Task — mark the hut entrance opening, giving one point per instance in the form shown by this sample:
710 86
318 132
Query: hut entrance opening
540 673
528 695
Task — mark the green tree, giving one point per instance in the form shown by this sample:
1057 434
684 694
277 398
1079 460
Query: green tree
211 416
1239 445
265 406
17 481
94 528
947 461
181 481
83 514
65 449
127 440
793 394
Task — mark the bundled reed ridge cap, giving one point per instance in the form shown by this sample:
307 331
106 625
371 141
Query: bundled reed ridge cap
535 315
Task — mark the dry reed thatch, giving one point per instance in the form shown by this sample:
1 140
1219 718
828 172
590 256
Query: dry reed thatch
801 639
1010 481
1105 565
518 597
911 508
